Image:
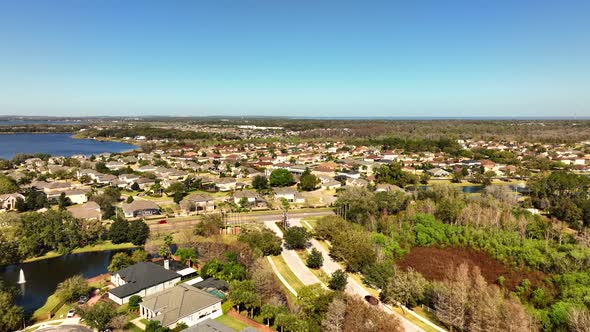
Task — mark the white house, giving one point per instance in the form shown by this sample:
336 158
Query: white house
183 303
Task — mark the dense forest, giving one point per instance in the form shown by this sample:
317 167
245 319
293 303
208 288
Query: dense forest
542 275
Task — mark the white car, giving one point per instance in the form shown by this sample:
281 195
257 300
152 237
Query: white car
71 313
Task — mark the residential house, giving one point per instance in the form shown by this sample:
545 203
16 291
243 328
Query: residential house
8 201
437 172
87 211
252 197
290 194
226 184
140 208
197 202
143 279
182 303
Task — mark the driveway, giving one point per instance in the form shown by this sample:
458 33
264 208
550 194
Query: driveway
65 328
293 260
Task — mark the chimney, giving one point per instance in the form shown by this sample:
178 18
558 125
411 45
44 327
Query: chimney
167 264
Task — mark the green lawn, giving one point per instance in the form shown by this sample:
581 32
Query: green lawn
414 320
319 273
42 313
106 245
231 322
287 273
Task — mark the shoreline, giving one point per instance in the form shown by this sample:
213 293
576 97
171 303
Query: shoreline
95 248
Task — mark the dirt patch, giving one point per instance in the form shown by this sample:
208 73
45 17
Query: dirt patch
434 264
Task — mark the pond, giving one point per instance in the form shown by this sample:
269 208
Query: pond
43 276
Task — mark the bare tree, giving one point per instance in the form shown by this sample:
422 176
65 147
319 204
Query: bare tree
334 319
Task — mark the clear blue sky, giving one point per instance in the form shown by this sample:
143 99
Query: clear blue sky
303 58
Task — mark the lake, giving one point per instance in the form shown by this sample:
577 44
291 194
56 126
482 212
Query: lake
44 275
56 145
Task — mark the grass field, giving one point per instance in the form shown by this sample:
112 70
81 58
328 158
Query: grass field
231 322
286 272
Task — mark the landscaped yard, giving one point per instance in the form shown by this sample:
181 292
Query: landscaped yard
231 322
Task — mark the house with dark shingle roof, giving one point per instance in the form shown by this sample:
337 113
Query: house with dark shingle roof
143 279
182 303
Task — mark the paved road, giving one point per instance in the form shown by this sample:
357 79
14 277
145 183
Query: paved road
353 287
293 260
187 224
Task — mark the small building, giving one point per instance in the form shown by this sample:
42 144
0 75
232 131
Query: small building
182 303
140 208
143 279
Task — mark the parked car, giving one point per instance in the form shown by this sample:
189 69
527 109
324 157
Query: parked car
161 222
71 313
372 300
83 299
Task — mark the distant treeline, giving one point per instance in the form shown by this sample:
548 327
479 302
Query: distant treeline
41 128
413 145
155 133
551 131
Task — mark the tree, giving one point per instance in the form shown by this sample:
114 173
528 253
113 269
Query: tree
120 261
338 280
360 317
281 177
407 288
264 240
579 319
119 231
99 316
155 326
334 319
7 185
129 199
244 293
260 182
268 312
134 302
449 209
139 255
139 232
135 186
12 315
72 288
63 201
210 225
315 260
424 178
393 174
296 237
308 181
186 255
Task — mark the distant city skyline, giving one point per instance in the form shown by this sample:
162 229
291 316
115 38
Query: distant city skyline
344 59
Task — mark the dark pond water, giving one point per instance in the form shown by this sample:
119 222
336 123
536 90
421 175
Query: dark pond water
43 276
56 145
